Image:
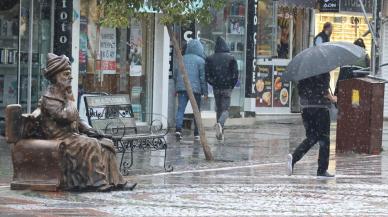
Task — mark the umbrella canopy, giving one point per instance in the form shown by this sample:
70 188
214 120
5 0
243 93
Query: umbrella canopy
321 59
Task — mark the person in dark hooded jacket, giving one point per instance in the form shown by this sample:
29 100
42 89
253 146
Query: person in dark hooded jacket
222 73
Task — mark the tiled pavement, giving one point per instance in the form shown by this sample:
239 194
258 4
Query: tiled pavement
246 179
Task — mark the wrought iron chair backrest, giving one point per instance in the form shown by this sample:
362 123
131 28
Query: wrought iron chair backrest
112 114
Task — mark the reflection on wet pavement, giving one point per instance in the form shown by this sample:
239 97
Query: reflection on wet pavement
246 179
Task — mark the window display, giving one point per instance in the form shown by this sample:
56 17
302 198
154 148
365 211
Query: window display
346 27
28 38
266 29
116 61
230 23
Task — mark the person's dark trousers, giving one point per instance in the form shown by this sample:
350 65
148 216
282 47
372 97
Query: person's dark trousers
222 98
183 99
317 124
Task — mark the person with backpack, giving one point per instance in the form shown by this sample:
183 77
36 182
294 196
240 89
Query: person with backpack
315 99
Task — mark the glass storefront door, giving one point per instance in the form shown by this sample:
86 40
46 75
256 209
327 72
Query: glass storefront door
35 43
25 40
9 23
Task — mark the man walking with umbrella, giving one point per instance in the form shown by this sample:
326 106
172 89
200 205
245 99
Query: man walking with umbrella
315 100
310 67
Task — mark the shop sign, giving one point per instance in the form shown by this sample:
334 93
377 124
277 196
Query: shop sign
188 32
171 62
251 48
63 27
355 6
329 5
108 50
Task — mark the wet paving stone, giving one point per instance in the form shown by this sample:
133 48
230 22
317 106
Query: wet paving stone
246 179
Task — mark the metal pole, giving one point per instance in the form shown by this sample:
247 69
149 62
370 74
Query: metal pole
30 47
19 50
369 25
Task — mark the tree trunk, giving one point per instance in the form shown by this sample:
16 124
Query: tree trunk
197 114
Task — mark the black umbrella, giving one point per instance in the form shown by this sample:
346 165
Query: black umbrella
321 59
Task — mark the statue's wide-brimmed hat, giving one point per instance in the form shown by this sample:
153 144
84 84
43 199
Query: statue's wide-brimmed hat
56 64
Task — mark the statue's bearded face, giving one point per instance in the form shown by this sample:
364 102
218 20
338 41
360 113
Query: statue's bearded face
63 79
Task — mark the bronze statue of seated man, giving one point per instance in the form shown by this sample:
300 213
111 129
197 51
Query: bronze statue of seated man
88 160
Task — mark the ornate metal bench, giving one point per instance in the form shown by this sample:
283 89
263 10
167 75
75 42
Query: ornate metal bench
114 116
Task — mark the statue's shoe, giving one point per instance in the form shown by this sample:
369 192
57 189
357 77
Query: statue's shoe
125 187
105 188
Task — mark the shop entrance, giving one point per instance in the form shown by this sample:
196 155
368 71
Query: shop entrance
282 32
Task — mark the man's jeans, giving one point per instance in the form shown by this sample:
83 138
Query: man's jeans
183 98
317 124
222 97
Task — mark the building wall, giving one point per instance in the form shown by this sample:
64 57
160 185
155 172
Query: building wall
161 71
384 52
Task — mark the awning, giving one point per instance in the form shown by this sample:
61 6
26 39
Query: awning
299 3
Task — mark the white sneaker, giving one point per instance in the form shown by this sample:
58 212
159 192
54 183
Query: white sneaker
178 135
289 165
219 134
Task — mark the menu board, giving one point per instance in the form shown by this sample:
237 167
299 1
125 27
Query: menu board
263 86
281 89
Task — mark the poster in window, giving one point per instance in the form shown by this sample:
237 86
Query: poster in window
281 89
108 50
263 86
135 52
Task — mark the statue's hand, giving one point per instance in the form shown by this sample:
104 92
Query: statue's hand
108 145
98 134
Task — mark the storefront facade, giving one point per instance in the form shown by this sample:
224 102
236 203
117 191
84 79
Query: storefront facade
104 60
263 36
282 29
132 60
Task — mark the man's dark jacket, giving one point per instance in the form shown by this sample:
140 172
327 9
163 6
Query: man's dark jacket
313 91
221 67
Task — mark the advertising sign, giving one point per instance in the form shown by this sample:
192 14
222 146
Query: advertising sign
281 89
329 5
108 50
251 48
263 86
62 28
355 6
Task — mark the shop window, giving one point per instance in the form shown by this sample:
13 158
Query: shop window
266 29
284 31
229 23
116 61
